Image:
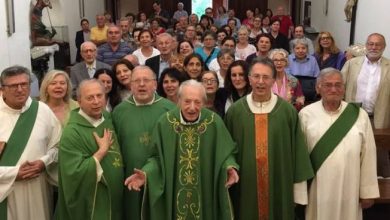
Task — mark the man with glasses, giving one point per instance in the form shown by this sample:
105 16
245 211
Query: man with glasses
134 120
272 155
342 151
367 81
29 134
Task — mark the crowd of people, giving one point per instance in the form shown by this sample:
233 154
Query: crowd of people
180 117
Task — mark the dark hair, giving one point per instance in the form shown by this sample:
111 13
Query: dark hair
131 15
113 95
135 30
230 89
232 19
139 15
124 62
231 31
270 11
171 72
263 35
189 57
228 38
264 61
14 71
183 41
274 21
143 31
82 20
208 33
221 30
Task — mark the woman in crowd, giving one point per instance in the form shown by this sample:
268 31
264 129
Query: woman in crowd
185 48
193 66
256 30
227 43
209 50
243 48
193 19
177 61
142 20
265 24
228 30
286 86
210 82
278 39
225 58
327 53
263 44
110 82
56 91
146 50
236 85
304 66
221 34
248 21
169 82
155 27
269 13
122 69
206 22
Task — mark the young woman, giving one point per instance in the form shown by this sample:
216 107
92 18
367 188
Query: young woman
110 82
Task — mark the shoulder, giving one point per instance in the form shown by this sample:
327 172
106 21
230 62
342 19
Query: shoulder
100 64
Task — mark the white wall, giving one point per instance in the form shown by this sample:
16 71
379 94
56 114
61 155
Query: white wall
274 4
16 48
372 16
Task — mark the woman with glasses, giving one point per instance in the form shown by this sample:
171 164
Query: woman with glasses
210 82
225 58
209 50
56 91
327 53
286 86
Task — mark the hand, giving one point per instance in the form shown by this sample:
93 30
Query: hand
232 177
366 203
136 181
30 170
103 143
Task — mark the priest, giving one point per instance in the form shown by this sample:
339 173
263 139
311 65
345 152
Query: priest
192 163
90 162
343 153
272 155
134 120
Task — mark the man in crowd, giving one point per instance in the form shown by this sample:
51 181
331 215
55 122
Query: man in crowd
125 28
86 68
134 120
90 162
192 162
82 36
99 32
342 151
272 155
367 81
286 24
299 33
29 134
159 13
114 49
180 12
160 62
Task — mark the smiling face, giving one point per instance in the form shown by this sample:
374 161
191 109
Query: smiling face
375 46
300 51
191 102
16 90
261 80
331 88
185 49
280 62
106 81
123 74
57 88
170 86
194 68
145 39
238 77
143 84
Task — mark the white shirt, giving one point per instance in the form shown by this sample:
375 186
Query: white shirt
142 58
91 69
368 84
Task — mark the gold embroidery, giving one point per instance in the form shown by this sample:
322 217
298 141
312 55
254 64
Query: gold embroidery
145 138
117 162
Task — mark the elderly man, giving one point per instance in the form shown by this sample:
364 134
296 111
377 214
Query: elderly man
180 12
272 155
90 162
367 81
160 62
299 33
114 49
134 120
99 32
29 133
342 150
192 162
87 68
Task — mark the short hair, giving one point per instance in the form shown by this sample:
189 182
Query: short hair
14 71
82 20
165 34
86 82
243 28
184 41
302 41
221 30
85 43
232 19
264 61
180 4
143 67
208 33
192 83
215 75
171 72
227 51
379 35
258 37
228 38
274 52
326 72
131 15
49 77
145 31
124 19
274 21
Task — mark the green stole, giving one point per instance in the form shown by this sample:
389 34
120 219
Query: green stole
17 142
333 136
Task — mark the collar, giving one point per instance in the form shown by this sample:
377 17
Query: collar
93 65
337 111
261 107
367 61
184 122
302 61
5 107
94 122
143 104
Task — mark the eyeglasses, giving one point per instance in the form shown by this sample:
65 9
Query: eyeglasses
374 44
209 81
325 38
15 87
279 60
258 77
145 81
329 86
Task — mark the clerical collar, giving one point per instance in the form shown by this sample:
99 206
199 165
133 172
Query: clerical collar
261 107
94 122
337 111
184 122
26 106
142 104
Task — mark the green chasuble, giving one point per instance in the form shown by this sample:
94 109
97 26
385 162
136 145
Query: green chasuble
187 173
286 155
81 196
134 126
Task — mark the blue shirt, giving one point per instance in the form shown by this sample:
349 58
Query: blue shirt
305 67
199 50
107 55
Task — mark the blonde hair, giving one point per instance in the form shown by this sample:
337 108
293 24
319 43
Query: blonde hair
333 48
49 77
